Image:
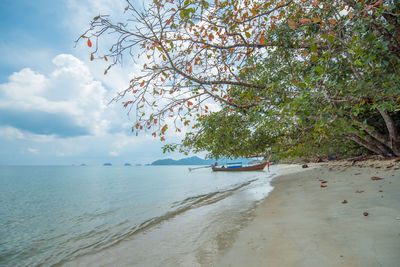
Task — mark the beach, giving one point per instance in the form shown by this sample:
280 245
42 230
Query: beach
331 214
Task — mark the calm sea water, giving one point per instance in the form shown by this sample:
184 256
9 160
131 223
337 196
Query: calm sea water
145 216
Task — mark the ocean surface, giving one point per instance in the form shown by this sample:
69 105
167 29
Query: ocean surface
133 215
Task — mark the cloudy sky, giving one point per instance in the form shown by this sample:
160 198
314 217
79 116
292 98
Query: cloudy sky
53 100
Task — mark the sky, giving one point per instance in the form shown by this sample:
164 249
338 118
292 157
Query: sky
54 101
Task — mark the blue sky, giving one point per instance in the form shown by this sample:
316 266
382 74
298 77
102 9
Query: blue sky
53 100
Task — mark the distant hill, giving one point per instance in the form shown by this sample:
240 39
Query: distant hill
196 161
186 161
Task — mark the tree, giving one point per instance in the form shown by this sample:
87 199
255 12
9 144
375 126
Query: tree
291 76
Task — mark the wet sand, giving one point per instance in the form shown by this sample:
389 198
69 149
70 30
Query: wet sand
325 215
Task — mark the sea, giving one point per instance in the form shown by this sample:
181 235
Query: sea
123 215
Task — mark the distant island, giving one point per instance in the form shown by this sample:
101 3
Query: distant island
107 164
127 164
195 161
185 161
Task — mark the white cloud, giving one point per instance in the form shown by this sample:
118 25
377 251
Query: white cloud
11 133
24 85
69 93
33 150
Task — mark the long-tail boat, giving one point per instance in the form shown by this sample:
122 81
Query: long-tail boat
236 167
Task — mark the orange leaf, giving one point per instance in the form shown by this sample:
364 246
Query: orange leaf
316 19
155 121
91 57
262 40
315 3
304 20
332 21
105 58
141 85
189 103
89 43
292 24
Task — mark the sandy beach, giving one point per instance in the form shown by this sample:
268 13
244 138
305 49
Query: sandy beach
330 214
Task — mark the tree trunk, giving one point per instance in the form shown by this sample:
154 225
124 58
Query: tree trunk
382 142
394 138
368 143
386 145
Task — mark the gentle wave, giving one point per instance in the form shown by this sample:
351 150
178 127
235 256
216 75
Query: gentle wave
111 240
205 199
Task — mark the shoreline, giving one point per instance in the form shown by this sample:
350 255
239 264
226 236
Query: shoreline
332 214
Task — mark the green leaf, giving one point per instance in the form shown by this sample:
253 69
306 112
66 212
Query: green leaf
358 62
302 85
319 70
314 57
314 48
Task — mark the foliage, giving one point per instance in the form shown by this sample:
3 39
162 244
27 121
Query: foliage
291 77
